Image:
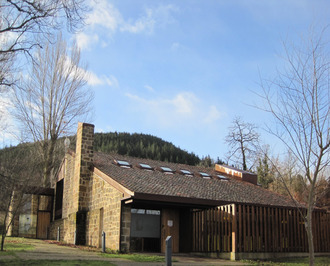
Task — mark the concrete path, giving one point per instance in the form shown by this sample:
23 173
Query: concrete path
46 251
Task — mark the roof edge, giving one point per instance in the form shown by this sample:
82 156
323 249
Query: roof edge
112 182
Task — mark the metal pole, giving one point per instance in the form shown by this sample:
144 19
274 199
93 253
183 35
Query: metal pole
58 233
75 237
103 242
168 251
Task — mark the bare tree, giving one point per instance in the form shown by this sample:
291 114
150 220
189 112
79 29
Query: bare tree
242 140
299 101
23 21
18 171
52 99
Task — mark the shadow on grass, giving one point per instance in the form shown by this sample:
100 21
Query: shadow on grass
55 262
323 260
135 257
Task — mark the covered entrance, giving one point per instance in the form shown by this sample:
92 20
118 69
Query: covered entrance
145 230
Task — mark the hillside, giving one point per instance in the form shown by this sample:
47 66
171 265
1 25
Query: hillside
142 146
136 145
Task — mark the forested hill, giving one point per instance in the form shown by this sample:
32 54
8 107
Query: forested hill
143 146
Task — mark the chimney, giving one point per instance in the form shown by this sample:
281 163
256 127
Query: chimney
83 163
237 174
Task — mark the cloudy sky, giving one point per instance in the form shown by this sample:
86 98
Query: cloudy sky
182 70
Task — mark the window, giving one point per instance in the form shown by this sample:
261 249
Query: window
145 166
186 172
205 175
123 164
59 199
223 178
166 170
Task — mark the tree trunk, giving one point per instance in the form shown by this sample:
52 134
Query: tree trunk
243 156
3 236
309 226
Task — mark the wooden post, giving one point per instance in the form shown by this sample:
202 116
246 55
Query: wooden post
234 229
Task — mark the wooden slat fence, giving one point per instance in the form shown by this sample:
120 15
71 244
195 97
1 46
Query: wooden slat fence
248 228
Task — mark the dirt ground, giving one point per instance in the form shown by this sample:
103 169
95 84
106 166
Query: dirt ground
51 251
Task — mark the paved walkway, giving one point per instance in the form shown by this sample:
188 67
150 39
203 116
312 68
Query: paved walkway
46 251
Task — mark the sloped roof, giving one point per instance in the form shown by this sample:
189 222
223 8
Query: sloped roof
183 187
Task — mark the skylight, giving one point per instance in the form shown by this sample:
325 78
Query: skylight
145 166
166 170
205 175
186 172
223 178
123 164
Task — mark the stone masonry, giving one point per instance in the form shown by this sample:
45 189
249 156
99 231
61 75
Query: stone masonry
90 205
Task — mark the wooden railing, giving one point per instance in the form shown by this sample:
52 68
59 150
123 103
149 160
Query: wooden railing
248 228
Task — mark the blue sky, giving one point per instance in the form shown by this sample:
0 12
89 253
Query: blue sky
182 70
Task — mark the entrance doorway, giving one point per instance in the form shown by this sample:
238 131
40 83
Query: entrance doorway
43 224
145 230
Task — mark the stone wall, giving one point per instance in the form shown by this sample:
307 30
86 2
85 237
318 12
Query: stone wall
125 232
67 229
104 214
90 205
83 164
69 205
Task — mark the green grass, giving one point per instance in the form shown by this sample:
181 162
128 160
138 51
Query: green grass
136 257
324 260
15 244
55 262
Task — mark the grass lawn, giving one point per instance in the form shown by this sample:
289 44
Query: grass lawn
55 262
136 257
293 261
15 244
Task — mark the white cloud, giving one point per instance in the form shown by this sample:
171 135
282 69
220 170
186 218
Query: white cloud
182 110
90 77
213 115
105 20
94 80
162 15
184 103
84 41
149 88
105 15
102 130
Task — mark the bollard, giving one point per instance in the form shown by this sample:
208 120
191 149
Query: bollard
168 251
75 237
58 233
103 242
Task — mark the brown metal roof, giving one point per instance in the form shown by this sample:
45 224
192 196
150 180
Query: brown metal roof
160 186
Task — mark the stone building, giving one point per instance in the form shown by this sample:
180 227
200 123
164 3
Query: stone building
139 202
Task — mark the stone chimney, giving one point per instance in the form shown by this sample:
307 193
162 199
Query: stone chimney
237 173
83 163
82 174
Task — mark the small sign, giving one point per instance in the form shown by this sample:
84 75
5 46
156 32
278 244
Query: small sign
170 223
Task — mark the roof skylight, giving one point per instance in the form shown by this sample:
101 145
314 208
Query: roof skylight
185 172
123 164
223 178
205 175
166 170
145 166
